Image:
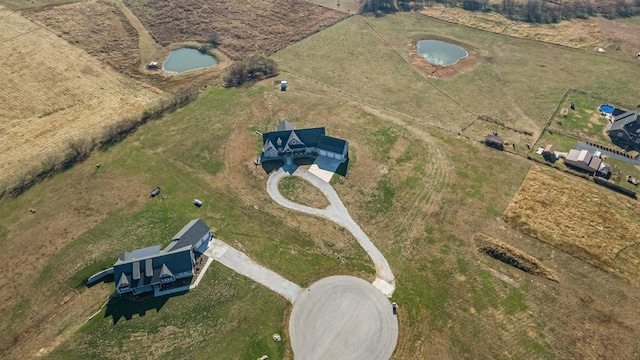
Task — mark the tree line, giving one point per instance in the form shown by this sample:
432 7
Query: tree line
79 149
532 11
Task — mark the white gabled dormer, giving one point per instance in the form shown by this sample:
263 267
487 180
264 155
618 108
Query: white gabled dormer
166 275
294 139
269 150
123 283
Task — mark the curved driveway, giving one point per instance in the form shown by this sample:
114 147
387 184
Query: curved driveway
336 212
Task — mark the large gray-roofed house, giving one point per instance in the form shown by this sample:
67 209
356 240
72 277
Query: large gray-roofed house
194 235
625 129
287 141
585 160
152 269
139 275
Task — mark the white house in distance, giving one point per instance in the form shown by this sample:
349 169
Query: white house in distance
287 141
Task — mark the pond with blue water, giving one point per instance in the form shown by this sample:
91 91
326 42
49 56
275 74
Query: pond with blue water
186 59
441 53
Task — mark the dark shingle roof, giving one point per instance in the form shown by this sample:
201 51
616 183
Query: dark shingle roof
627 121
140 253
285 126
309 137
176 262
332 144
190 234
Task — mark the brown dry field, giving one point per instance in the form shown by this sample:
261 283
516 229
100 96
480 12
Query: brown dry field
346 6
579 217
108 31
618 36
244 27
96 26
54 93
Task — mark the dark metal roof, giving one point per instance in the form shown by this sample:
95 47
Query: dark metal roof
140 253
494 139
285 126
309 137
190 234
332 144
628 121
178 261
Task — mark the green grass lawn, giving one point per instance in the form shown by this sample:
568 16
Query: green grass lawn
585 122
419 191
516 81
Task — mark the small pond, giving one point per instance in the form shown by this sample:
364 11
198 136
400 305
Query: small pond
440 53
186 59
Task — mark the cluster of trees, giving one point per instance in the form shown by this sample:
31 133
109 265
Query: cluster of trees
79 149
250 70
533 11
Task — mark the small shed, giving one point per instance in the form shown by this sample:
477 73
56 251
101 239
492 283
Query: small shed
494 141
548 152
152 65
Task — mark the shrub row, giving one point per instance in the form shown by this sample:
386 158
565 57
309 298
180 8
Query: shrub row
79 149
533 11
250 70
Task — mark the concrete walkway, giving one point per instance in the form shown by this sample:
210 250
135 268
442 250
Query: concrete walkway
336 212
240 263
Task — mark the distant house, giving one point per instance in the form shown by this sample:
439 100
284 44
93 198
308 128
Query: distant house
585 160
162 271
625 129
494 141
287 141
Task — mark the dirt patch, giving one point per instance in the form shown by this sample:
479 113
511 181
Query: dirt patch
576 216
244 27
436 71
511 256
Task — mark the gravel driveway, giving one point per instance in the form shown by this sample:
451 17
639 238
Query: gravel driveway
337 213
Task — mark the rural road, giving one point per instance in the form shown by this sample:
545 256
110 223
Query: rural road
342 317
336 212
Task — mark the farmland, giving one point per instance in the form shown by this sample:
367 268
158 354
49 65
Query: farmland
594 225
244 27
54 93
419 184
99 28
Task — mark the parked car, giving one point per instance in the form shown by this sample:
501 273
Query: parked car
155 192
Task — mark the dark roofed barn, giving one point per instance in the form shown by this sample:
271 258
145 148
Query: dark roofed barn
494 141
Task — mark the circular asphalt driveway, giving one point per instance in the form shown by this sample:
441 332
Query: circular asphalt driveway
342 317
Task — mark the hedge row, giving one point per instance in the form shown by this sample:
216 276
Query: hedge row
79 150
